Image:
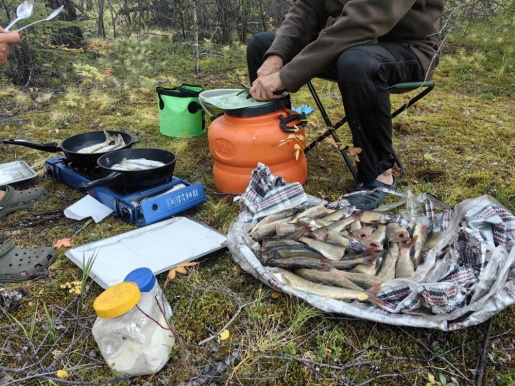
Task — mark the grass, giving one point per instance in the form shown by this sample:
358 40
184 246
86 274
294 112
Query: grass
457 143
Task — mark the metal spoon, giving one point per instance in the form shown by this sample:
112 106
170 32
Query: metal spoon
24 11
49 17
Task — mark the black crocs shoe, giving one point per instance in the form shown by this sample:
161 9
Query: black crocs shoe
370 201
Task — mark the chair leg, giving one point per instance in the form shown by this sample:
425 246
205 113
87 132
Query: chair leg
343 152
398 162
406 87
331 129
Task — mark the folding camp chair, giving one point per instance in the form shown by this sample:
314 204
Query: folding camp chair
423 88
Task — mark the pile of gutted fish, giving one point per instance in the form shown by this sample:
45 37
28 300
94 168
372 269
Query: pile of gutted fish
342 254
112 142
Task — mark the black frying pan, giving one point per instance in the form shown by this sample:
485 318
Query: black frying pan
71 145
134 178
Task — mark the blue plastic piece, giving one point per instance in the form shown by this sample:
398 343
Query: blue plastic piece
303 109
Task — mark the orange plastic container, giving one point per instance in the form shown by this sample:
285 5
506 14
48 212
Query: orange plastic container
238 140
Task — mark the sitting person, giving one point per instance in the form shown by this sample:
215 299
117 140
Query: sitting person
365 46
17 264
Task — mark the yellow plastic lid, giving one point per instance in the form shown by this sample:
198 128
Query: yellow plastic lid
117 300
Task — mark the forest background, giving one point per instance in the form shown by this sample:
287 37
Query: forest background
97 66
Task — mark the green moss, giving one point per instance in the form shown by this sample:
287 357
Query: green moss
456 143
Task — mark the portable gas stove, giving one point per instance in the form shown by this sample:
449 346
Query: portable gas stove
141 206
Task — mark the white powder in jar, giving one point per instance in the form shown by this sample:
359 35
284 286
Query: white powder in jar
147 356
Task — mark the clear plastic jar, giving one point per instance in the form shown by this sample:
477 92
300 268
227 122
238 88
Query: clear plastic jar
131 332
148 285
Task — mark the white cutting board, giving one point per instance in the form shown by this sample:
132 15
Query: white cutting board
158 246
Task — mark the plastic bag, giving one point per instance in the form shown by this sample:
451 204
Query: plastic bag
452 289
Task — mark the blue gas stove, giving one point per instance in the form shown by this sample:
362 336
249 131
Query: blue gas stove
141 206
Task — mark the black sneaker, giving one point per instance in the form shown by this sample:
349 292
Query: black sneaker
370 201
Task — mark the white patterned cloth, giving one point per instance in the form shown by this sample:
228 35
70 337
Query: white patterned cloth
465 279
267 194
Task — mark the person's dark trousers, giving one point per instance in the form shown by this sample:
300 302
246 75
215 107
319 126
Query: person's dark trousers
364 74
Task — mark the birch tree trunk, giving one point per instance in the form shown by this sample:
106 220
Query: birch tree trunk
195 37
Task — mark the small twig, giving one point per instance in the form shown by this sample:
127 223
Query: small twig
385 376
347 365
83 227
222 194
46 376
50 212
29 223
238 311
170 328
480 369
441 357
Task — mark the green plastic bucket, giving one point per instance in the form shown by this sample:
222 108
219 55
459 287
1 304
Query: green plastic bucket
180 114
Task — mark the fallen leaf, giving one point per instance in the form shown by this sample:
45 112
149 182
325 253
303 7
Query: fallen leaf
181 268
61 374
224 335
354 151
276 295
66 242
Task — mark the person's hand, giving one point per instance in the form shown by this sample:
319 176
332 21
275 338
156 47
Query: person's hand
271 65
268 80
264 87
6 39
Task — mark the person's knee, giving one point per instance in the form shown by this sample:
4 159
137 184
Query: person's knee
355 65
260 42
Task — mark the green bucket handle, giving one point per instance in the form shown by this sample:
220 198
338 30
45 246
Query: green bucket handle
184 91
189 92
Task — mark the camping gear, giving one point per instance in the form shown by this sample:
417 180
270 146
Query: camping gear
148 285
19 264
180 114
71 146
14 200
144 177
24 11
54 13
15 172
158 246
421 89
135 205
269 133
131 331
